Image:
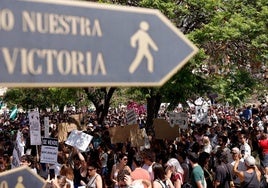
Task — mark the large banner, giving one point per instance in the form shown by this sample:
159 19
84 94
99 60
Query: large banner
35 129
49 151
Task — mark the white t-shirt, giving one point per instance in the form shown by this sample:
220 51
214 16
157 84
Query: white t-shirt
247 150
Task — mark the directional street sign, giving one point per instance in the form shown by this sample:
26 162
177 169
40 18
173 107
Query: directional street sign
55 43
21 177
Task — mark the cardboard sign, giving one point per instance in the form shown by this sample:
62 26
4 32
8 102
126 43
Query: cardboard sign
164 131
123 134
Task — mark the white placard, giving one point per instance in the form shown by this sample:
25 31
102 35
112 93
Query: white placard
131 117
79 140
49 151
201 113
180 119
35 130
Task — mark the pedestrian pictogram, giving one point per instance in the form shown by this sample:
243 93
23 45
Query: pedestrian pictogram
20 182
21 177
142 40
59 43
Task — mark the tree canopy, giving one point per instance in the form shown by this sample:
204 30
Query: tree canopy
232 61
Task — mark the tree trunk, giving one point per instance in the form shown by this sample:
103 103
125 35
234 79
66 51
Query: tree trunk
101 100
106 105
153 105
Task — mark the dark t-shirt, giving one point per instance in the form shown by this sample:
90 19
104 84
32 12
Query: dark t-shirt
78 178
222 175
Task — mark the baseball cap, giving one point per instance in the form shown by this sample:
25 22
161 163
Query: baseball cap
235 150
250 161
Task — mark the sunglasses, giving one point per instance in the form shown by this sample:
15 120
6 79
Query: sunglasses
125 159
90 169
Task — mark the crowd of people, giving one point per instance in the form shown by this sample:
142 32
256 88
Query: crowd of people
230 150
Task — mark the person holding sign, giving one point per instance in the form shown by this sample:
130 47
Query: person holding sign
94 179
79 167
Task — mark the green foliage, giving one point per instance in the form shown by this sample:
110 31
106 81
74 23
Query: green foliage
167 7
230 35
41 97
235 88
64 96
27 98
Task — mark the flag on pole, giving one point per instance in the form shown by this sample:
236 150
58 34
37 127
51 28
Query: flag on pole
13 114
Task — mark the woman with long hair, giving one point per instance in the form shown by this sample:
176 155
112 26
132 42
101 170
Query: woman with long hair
160 178
68 173
175 172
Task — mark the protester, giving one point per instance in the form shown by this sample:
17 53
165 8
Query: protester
240 167
244 146
250 177
206 145
79 168
68 173
120 165
222 145
223 173
28 160
138 172
148 161
182 158
197 174
103 155
263 144
59 182
94 180
160 178
204 161
223 129
175 172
